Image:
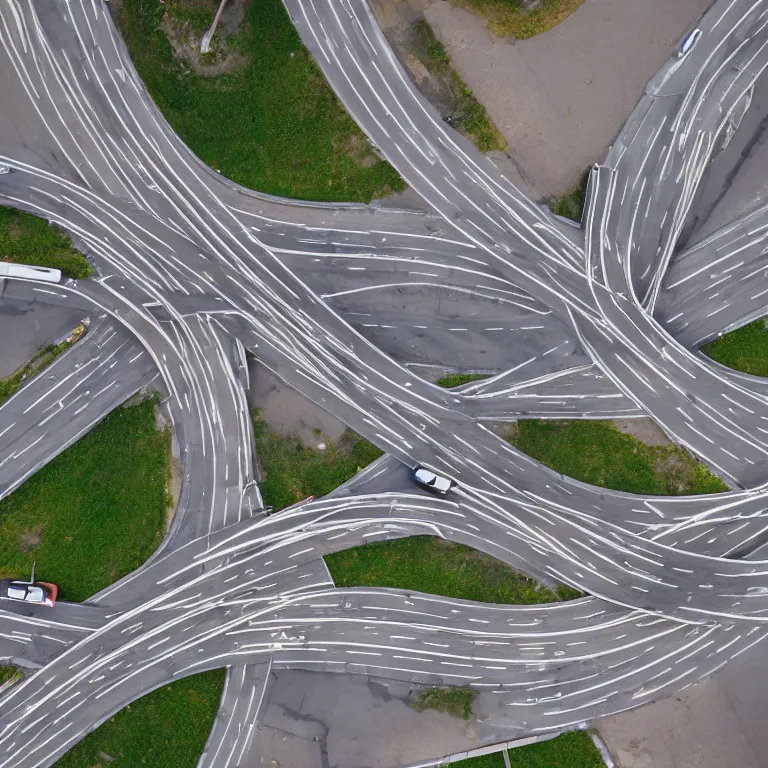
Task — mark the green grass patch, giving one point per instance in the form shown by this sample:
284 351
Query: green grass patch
509 18
27 239
271 124
451 699
470 116
457 379
438 567
745 349
597 453
570 205
571 750
168 728
294 471
8 672
96 512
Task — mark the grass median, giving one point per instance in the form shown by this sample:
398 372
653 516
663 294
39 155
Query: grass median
458 379
27 239
597 452
269 120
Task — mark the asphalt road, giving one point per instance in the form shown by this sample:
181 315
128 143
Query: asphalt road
193 271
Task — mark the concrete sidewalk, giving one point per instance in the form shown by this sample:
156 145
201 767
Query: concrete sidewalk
718 723
560 98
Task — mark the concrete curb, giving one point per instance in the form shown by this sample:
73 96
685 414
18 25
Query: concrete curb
597 740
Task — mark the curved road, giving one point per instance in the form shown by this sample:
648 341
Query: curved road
600 321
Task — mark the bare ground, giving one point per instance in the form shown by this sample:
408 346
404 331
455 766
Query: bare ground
185 41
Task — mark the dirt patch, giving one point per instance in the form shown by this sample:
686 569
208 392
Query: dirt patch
645 430
31 539
677 469
289 413
360 150
173 475
184 37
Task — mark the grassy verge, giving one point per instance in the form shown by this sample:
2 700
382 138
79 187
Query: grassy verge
509 18
27 239
597 453
457 379
42 359
745 349
295 472
454 701
571 750
96 512
470 116
438 567
271 123
168 728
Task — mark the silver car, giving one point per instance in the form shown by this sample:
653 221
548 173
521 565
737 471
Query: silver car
431 482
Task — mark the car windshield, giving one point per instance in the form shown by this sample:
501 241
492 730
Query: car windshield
35 595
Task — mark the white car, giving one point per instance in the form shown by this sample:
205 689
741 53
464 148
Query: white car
35 592
686 46
432 482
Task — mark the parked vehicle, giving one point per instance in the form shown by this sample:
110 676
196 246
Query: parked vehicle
31 592
431 482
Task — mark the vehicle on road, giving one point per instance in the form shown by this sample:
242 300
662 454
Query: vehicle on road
431 482
686 46
31 592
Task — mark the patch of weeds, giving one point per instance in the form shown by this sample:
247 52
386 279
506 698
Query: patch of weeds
168 727
469 115
273 124
596 452
510 18
41 360
457 379
96 512
745 349
198 14
9 673
27 239
451 699
571 204
294 471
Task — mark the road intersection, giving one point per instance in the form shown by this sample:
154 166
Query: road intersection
339 301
